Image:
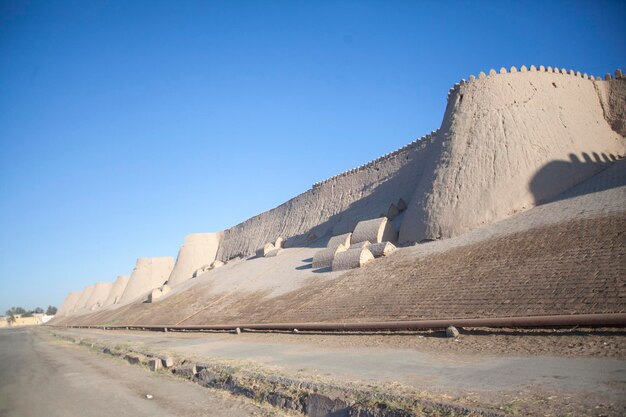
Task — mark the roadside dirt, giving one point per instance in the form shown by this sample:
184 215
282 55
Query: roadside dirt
571 342
545 372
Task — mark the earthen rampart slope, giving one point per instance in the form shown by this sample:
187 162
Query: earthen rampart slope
562 257
508 141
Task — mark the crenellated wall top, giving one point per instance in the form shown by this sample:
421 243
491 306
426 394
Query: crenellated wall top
417 143
553 70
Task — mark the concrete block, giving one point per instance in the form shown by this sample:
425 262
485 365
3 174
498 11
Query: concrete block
262 251
352 258
167 361
502 70
186 371
542 68
607 76
132 359
374 231
482 75
324 258
154 364
533 68
523 68
273 253
344 239
359 245
618 74
513 70
381 249
492 72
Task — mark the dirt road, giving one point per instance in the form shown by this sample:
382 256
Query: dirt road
41 376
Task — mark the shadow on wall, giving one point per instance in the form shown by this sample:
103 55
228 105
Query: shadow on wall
399 185
546 186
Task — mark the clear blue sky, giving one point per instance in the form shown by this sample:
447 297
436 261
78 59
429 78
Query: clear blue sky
125 125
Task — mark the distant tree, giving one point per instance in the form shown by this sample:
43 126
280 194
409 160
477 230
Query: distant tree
51 311
37 310
15 310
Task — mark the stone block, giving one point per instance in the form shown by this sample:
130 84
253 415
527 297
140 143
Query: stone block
154 364
452 331
381 249
375 231
186 371
262 251
324 257
352 258
167 361
132 359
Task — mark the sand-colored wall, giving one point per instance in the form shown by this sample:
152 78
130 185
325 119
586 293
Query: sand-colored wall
27 321
498 135
82 300
613 99
149 273
508 141
69 303
117 290
333 206
198 250
506 144
100 293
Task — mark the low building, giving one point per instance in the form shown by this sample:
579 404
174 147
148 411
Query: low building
20 320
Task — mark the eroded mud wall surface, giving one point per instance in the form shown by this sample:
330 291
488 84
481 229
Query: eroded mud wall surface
69 303
613 99
84 297
117 290
507 143
148 274
99 294
198 250
333 206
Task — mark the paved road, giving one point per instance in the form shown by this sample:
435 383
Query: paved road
41 376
